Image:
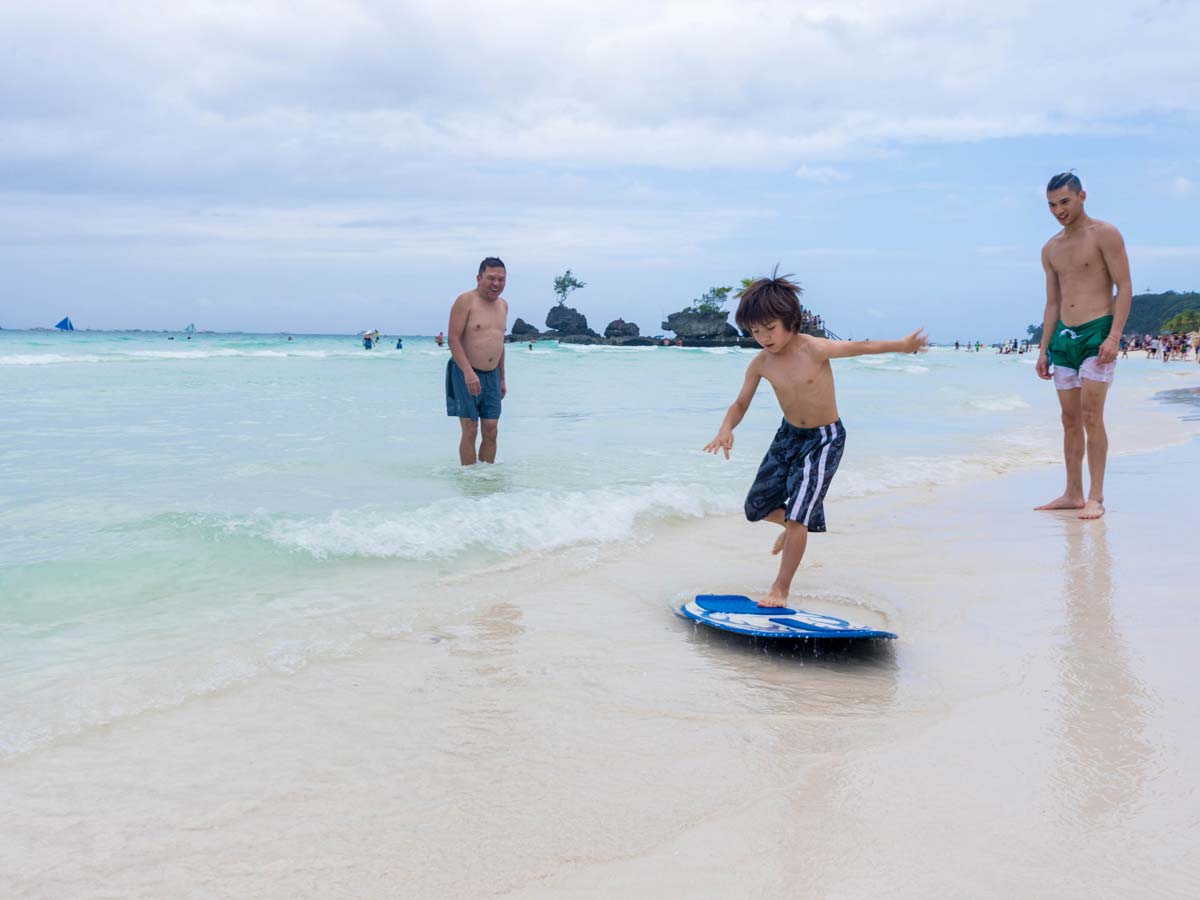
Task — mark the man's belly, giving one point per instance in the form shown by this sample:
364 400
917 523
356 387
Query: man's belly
1078 309
483 352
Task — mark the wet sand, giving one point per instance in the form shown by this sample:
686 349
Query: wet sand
566 735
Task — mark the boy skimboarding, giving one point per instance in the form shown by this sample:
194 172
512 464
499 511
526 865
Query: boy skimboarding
790 486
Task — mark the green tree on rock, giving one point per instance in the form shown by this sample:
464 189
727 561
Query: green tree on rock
564 284
712 300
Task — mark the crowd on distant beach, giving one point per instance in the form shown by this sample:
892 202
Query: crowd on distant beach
1164 346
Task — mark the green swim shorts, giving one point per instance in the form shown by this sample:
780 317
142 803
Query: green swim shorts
1072 344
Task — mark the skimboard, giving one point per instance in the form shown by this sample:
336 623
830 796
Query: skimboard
741 615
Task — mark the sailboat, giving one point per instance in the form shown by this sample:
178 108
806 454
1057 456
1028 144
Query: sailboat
65 324
191 329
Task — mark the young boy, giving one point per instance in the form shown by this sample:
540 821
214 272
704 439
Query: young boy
790 486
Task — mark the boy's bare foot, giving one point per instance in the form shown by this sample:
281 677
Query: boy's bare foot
1093 510
773 599
1066 501
779 542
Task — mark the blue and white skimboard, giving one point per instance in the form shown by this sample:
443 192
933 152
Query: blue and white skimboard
741 615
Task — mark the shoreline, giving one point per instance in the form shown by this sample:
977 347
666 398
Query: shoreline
291 647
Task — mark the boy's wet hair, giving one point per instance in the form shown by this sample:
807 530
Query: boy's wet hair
1067 180
491 262
774 299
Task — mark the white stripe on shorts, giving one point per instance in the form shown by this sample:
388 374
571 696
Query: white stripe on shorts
820 477
800 492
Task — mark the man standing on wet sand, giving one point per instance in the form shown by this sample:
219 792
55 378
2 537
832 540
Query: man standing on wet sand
1081 333
475 371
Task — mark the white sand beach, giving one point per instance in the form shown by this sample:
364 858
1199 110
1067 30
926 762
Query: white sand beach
1028 735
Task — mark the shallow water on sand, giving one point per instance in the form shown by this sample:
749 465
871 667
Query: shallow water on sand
182 517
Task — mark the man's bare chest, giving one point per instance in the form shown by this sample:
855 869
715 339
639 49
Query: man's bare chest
485 319
1078 258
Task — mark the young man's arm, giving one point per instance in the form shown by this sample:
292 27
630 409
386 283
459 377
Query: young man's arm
737 411
1112 248
454 333
1049 316
914 343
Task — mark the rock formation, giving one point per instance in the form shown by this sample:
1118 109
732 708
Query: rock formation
689 324
523 330
619 328
565 320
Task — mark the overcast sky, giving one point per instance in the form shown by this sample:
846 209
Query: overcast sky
336 166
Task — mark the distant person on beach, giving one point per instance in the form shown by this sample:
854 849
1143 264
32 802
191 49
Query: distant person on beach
790 486
475 371
1081 334
440 339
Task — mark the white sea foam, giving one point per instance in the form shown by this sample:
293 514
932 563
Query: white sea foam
505 524
885 473
46 359
891 363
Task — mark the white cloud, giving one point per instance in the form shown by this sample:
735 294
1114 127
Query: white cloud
382 234
820 174
341 90
1182 185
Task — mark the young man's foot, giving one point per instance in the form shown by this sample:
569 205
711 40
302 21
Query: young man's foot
779 542
773 599
1093 509
1066 501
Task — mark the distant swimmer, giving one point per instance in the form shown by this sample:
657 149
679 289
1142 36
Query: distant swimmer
1081 334
440 339
399 343
475 371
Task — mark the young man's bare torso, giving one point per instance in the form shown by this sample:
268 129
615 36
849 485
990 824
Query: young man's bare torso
1081 335
1085 283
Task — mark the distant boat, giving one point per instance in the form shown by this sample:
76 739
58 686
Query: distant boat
65 324
191 329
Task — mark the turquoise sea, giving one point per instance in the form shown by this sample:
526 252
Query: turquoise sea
180 516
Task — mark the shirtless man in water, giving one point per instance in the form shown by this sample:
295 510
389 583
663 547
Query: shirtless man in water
475 371
1081 334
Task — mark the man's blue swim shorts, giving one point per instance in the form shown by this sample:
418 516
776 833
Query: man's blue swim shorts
460 403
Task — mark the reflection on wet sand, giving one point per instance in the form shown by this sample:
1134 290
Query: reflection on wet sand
820 680
1104 756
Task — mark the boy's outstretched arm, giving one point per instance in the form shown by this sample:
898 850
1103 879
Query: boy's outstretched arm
916 342
724 438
